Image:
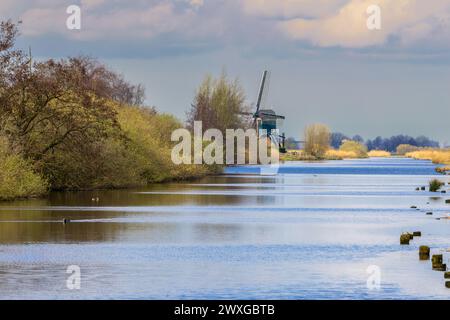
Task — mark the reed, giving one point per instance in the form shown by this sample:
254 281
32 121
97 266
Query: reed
437 156
379 154
333 154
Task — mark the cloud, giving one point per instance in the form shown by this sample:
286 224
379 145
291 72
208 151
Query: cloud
89 4
117 18
247 24
291 8
409 21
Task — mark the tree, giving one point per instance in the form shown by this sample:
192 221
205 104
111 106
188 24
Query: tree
391 144
56 112
291 143
358 138
405 148
317 140
336 139
218 103
58 104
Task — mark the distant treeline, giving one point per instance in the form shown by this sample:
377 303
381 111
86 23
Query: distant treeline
387 144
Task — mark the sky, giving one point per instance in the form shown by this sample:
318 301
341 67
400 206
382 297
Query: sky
326 64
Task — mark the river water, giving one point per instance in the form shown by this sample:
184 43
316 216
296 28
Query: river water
308 232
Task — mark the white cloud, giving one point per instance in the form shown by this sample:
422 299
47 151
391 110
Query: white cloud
408 20
321 23
91 3
196 3
290 8
119 19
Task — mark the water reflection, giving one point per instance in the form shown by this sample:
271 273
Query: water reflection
313 226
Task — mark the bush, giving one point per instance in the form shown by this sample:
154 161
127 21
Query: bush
17 179
352 146
405 148
296 155
435 185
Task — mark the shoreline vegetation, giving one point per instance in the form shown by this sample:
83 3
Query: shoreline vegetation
320 142
73 124
437 156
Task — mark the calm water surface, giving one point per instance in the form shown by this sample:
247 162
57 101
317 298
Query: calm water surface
311 231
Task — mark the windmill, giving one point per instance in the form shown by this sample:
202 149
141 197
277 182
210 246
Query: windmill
266 120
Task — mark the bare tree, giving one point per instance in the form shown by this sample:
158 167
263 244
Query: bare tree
317 140
218 103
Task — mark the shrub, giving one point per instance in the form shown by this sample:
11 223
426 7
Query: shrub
435 185
405 148
296 155
17 179
352 146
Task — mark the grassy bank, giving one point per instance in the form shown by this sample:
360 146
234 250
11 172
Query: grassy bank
348 150
330 154
437 156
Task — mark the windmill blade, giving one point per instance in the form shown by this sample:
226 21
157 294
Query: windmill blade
262 90
263 102
247 113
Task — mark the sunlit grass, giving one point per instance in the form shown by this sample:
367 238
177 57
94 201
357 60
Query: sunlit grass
438 156
333 154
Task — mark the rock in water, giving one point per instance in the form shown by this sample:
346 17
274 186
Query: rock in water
404 238
436 262
424 253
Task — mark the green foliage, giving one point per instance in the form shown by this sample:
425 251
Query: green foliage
435 185
17 179
353 146
79 126
135 153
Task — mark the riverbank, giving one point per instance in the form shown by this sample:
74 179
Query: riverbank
332 154
75 124
135 152
437 156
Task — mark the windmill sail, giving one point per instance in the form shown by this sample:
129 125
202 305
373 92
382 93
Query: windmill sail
263 89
